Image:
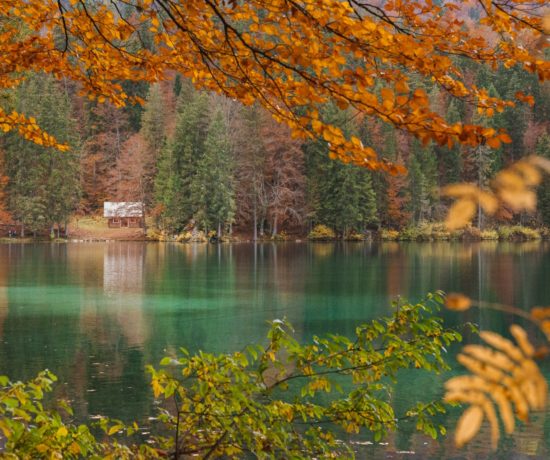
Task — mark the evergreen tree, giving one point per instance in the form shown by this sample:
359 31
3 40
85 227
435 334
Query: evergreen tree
341 196
153 122
213 187
451 158
168 191
153 119
188 149
44 187
423 182
543 149
178 163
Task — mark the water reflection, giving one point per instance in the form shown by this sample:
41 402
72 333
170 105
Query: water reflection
96 314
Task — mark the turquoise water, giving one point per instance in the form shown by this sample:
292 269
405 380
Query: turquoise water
95 314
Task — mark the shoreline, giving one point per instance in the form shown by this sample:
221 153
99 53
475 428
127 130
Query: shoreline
5 241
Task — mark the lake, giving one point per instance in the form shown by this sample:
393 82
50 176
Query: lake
97 313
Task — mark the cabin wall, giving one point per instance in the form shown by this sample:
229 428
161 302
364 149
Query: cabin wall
127 222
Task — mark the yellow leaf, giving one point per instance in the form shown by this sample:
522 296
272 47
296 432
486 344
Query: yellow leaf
114 429
458 302
460 190
521 338
42 448
460 214
468 425
74 448
61 432
540 313
488 202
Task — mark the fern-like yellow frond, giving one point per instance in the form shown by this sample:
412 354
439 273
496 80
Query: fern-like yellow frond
513 188
503 374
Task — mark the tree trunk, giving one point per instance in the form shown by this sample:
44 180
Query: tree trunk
66 229
255 237
144 225
274 230
58 227
219 229
22 230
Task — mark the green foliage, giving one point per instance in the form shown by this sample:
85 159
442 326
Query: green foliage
213 188
425 231
44 184
274 401
489 235
29 430
342 196
423 182
321 233
543 191
518 233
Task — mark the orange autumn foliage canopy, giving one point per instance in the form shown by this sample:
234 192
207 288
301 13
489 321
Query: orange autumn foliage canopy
291 56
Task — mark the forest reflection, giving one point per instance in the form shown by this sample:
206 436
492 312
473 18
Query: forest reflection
96 314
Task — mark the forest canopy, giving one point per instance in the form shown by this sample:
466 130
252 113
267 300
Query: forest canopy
290 56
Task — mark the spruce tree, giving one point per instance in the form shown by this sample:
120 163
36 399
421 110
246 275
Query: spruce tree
543 149
340 195
423 182
188 149
213 188
44 187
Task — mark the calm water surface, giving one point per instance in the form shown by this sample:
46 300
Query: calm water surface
96 313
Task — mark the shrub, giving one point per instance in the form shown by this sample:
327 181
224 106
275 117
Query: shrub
489 235
282 236
184 237
354 236
198 237
544 233
321 233
389 235
471 234
518 233
154 234
29 430
409 234
437 231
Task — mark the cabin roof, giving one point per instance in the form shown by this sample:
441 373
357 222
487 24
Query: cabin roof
122 209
